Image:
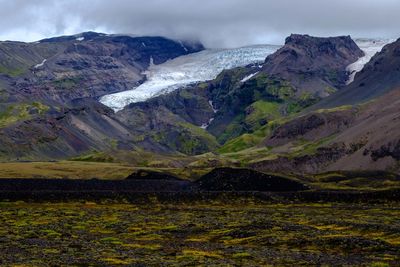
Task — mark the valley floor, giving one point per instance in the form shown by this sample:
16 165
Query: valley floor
83 170
64 169
240 231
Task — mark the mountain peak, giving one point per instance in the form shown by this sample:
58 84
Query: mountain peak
379 76
80 36
313 64
302 38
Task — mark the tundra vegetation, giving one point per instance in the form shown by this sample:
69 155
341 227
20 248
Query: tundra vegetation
242 231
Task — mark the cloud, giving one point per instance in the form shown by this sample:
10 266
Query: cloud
217 23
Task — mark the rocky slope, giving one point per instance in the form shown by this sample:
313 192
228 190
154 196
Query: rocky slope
354 129
364 137
358 131
48 91
314 65
242 100
263 116
86 65
378 77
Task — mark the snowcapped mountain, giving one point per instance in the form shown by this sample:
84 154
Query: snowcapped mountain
207 64
201 66
50 92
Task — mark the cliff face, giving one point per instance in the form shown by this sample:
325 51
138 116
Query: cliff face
245 99
86 65
48 92
364 137
312 64
50 111
379 76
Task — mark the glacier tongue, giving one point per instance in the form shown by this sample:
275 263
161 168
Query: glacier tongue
370 47
184 70
207 64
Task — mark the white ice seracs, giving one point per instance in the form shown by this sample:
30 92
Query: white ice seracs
184 70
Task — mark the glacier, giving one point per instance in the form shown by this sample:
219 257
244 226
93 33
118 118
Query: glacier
370 47
207 64
188 69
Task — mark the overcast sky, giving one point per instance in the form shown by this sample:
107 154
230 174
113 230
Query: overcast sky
217 23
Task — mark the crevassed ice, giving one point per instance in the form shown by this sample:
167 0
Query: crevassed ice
370 47
201 66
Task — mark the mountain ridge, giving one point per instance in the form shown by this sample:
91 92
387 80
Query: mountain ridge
256 116
377 77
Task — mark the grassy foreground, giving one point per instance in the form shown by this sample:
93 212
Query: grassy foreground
64 169
84 170
214 233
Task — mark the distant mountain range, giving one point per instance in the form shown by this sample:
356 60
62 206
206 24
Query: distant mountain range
293 112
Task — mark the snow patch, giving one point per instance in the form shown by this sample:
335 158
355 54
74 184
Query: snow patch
143 44
206 124
249 77
184 48
212 106
188 69
40 64
80 39
151 63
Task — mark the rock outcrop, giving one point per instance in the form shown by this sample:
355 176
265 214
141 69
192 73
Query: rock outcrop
313 64
229 179
379 76
49 91
242 100
366 137
90 64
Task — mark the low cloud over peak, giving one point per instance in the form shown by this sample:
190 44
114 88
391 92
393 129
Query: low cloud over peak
222 23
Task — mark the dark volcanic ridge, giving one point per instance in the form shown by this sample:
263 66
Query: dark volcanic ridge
313 64
220 179
223 184
152 175
228 179
378 77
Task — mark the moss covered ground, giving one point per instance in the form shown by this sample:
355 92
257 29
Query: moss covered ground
86 170
360 180
242 232
12 72
64 169
20 112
